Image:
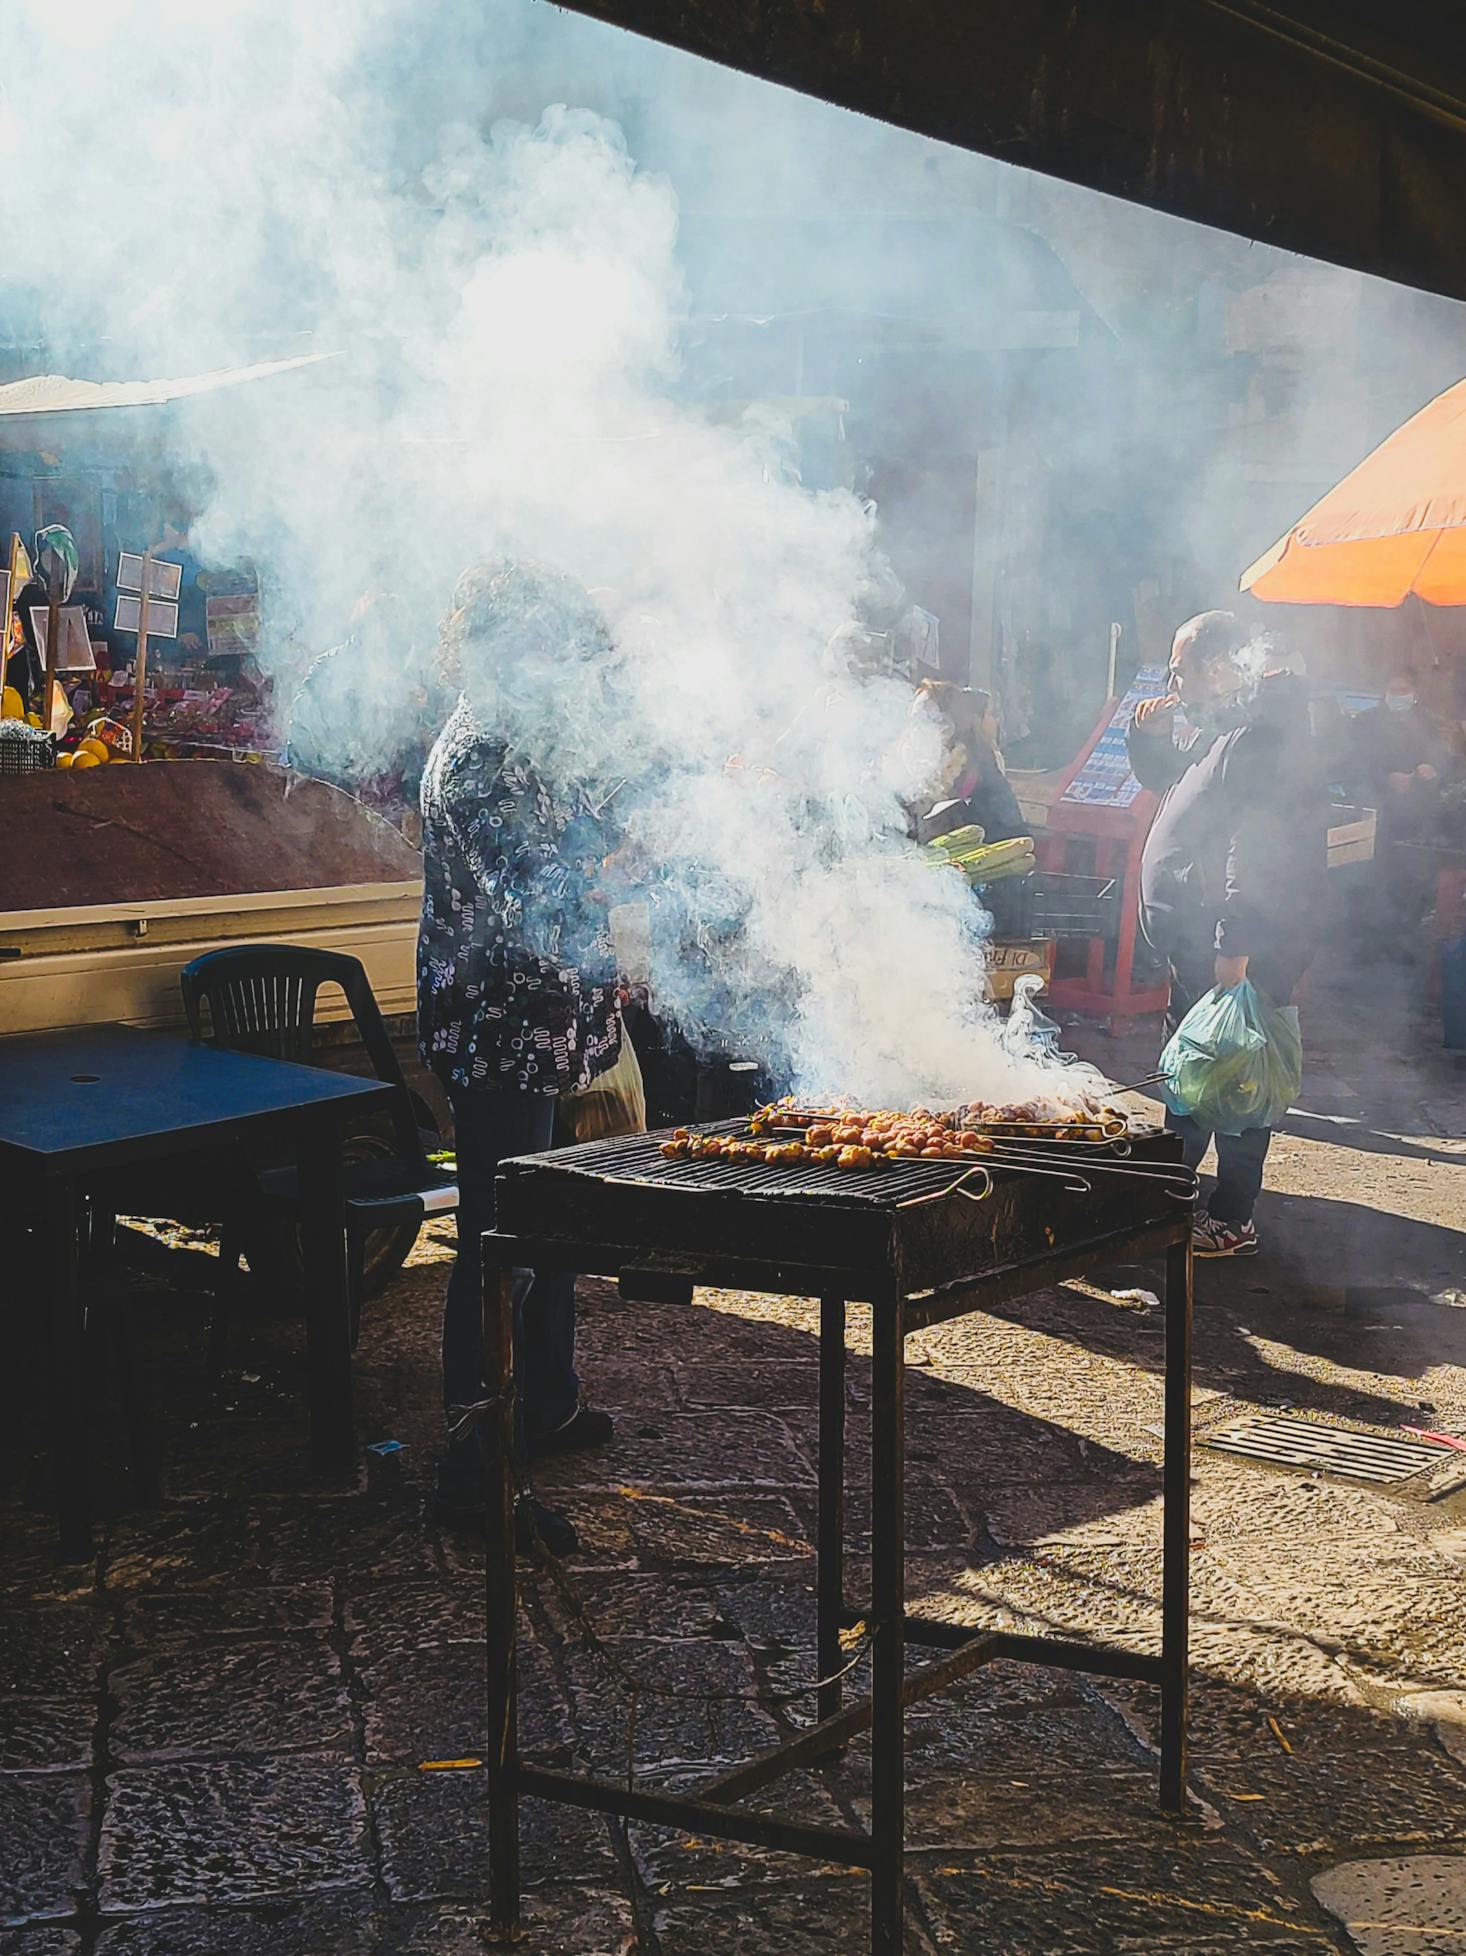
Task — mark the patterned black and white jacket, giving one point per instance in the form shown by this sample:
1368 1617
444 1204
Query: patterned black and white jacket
516 988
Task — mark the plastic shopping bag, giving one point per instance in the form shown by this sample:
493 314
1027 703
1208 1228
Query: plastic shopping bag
1235 1061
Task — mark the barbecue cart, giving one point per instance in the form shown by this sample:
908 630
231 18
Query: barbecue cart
920 1242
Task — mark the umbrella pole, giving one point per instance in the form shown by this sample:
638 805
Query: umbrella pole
53 635
140 665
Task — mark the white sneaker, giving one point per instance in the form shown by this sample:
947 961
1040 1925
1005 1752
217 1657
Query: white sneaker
1212 1238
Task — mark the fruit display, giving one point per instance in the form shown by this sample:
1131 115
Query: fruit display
96 743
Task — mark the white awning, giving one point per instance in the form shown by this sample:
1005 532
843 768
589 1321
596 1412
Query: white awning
55 394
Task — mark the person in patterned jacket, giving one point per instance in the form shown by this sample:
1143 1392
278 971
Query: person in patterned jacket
516 986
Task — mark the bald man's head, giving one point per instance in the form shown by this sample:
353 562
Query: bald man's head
1204 657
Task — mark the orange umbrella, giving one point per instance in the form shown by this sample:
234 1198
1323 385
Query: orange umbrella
1393 528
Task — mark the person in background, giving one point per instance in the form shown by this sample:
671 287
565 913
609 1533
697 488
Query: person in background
366 714
24 668
971 785
1232 877
1399 763
517 996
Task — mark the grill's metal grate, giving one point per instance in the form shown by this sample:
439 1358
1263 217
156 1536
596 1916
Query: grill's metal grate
638 1158
1324 1449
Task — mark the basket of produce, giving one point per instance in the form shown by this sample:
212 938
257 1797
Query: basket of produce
24 749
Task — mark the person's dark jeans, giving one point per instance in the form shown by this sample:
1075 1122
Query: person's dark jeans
490 1128
1240 1159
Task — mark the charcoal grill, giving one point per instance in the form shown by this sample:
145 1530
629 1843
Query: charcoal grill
921 1242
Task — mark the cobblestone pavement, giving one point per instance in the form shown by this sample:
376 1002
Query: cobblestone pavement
211 1737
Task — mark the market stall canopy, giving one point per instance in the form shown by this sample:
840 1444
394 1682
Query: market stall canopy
1394 528
55 394
1332 127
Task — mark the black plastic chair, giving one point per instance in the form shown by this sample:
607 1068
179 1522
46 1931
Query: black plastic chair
261 998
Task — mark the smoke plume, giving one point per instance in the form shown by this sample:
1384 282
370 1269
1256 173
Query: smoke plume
499 280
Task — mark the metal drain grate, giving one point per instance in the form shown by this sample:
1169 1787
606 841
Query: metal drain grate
1284 1442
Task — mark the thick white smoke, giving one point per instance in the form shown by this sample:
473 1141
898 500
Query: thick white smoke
228 183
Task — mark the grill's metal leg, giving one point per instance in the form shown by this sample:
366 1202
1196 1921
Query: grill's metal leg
832 1499
1176 1577
888 1600
500 1599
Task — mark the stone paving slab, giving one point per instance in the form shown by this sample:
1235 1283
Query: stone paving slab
689 1450
829 1918
434 1832
1334 1799
785 1385
957 1810
672 1531
391 1619
46 1735
1399 1615
1400 1905
986 1443
39 1941
553 1922
961 1732
33 1572
43 1829
564 1924
240 1458
935 1516
664 1609
51 1653
713 1720
429 1704
358 1540
227 1830
683 1858
1269 1662
189 1547
209 1701
1087 1513
648 1390
1112 1593
343 1925
186 1616
1118 1896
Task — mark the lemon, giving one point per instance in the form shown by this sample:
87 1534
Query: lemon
65 760
98 748
82 759
35 720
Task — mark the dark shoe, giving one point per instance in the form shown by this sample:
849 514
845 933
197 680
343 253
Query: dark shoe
586 1427
541 1530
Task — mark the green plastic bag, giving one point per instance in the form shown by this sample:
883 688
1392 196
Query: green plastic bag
1234 1062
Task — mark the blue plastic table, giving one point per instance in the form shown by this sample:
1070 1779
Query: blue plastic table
76 1104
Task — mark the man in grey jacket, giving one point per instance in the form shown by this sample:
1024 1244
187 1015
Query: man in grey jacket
1233 872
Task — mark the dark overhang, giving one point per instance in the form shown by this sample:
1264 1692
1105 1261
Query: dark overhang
1337 129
